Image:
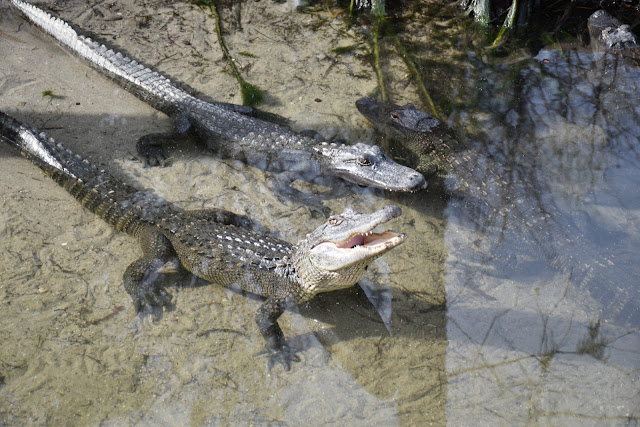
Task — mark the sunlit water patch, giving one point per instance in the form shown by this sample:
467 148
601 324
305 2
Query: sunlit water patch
543 322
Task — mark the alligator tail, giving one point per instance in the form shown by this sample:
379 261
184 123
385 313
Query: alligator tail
122 206
145 83
36 146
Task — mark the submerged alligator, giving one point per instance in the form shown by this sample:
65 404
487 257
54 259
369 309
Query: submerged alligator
227 128
477 178
211 243
434 150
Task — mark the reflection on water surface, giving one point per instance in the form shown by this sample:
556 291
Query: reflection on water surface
562 312
541 317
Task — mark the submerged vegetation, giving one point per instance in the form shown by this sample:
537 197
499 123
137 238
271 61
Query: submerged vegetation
433 39
531 21
251 95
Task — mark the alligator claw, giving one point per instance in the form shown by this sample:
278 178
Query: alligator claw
158 297
150 149
154 156
149 295
141 281
283 355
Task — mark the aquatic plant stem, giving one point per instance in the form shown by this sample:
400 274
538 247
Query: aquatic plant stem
350 14
376 58
422 89
508 22
251 95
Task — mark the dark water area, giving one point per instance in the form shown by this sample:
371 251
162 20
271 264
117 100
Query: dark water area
514 300
535 281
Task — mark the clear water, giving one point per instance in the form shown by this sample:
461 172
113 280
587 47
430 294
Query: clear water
554 331
479 318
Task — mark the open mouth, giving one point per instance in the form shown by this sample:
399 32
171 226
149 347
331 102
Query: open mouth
355 244
385 240
359 248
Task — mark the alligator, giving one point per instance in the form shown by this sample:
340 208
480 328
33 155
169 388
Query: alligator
435 151
214 244
476 178
228 129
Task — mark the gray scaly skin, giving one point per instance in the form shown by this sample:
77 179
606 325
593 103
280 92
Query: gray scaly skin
436 151
211 244
224 127
608 34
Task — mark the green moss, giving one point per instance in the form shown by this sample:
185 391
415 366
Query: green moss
251 95
48 93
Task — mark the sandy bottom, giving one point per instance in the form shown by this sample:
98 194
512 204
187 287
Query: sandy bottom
73 350
470 326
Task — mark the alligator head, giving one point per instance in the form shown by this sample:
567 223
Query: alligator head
336 254
367 165
428 138
402 122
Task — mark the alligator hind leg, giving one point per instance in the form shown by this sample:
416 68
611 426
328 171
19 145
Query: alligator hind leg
150 147
141 277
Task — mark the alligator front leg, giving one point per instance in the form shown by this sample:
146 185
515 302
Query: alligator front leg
267 319
150 148
140 278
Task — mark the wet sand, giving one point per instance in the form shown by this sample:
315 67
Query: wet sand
73 349
514 340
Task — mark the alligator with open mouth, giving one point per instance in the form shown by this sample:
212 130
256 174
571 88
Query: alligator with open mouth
214 244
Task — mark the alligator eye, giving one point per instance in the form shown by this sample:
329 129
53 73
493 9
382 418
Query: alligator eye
364 162
335 220
394 115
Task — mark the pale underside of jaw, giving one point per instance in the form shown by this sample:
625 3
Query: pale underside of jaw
408 188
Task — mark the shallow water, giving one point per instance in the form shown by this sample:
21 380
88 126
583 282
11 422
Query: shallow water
475 324
558 327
